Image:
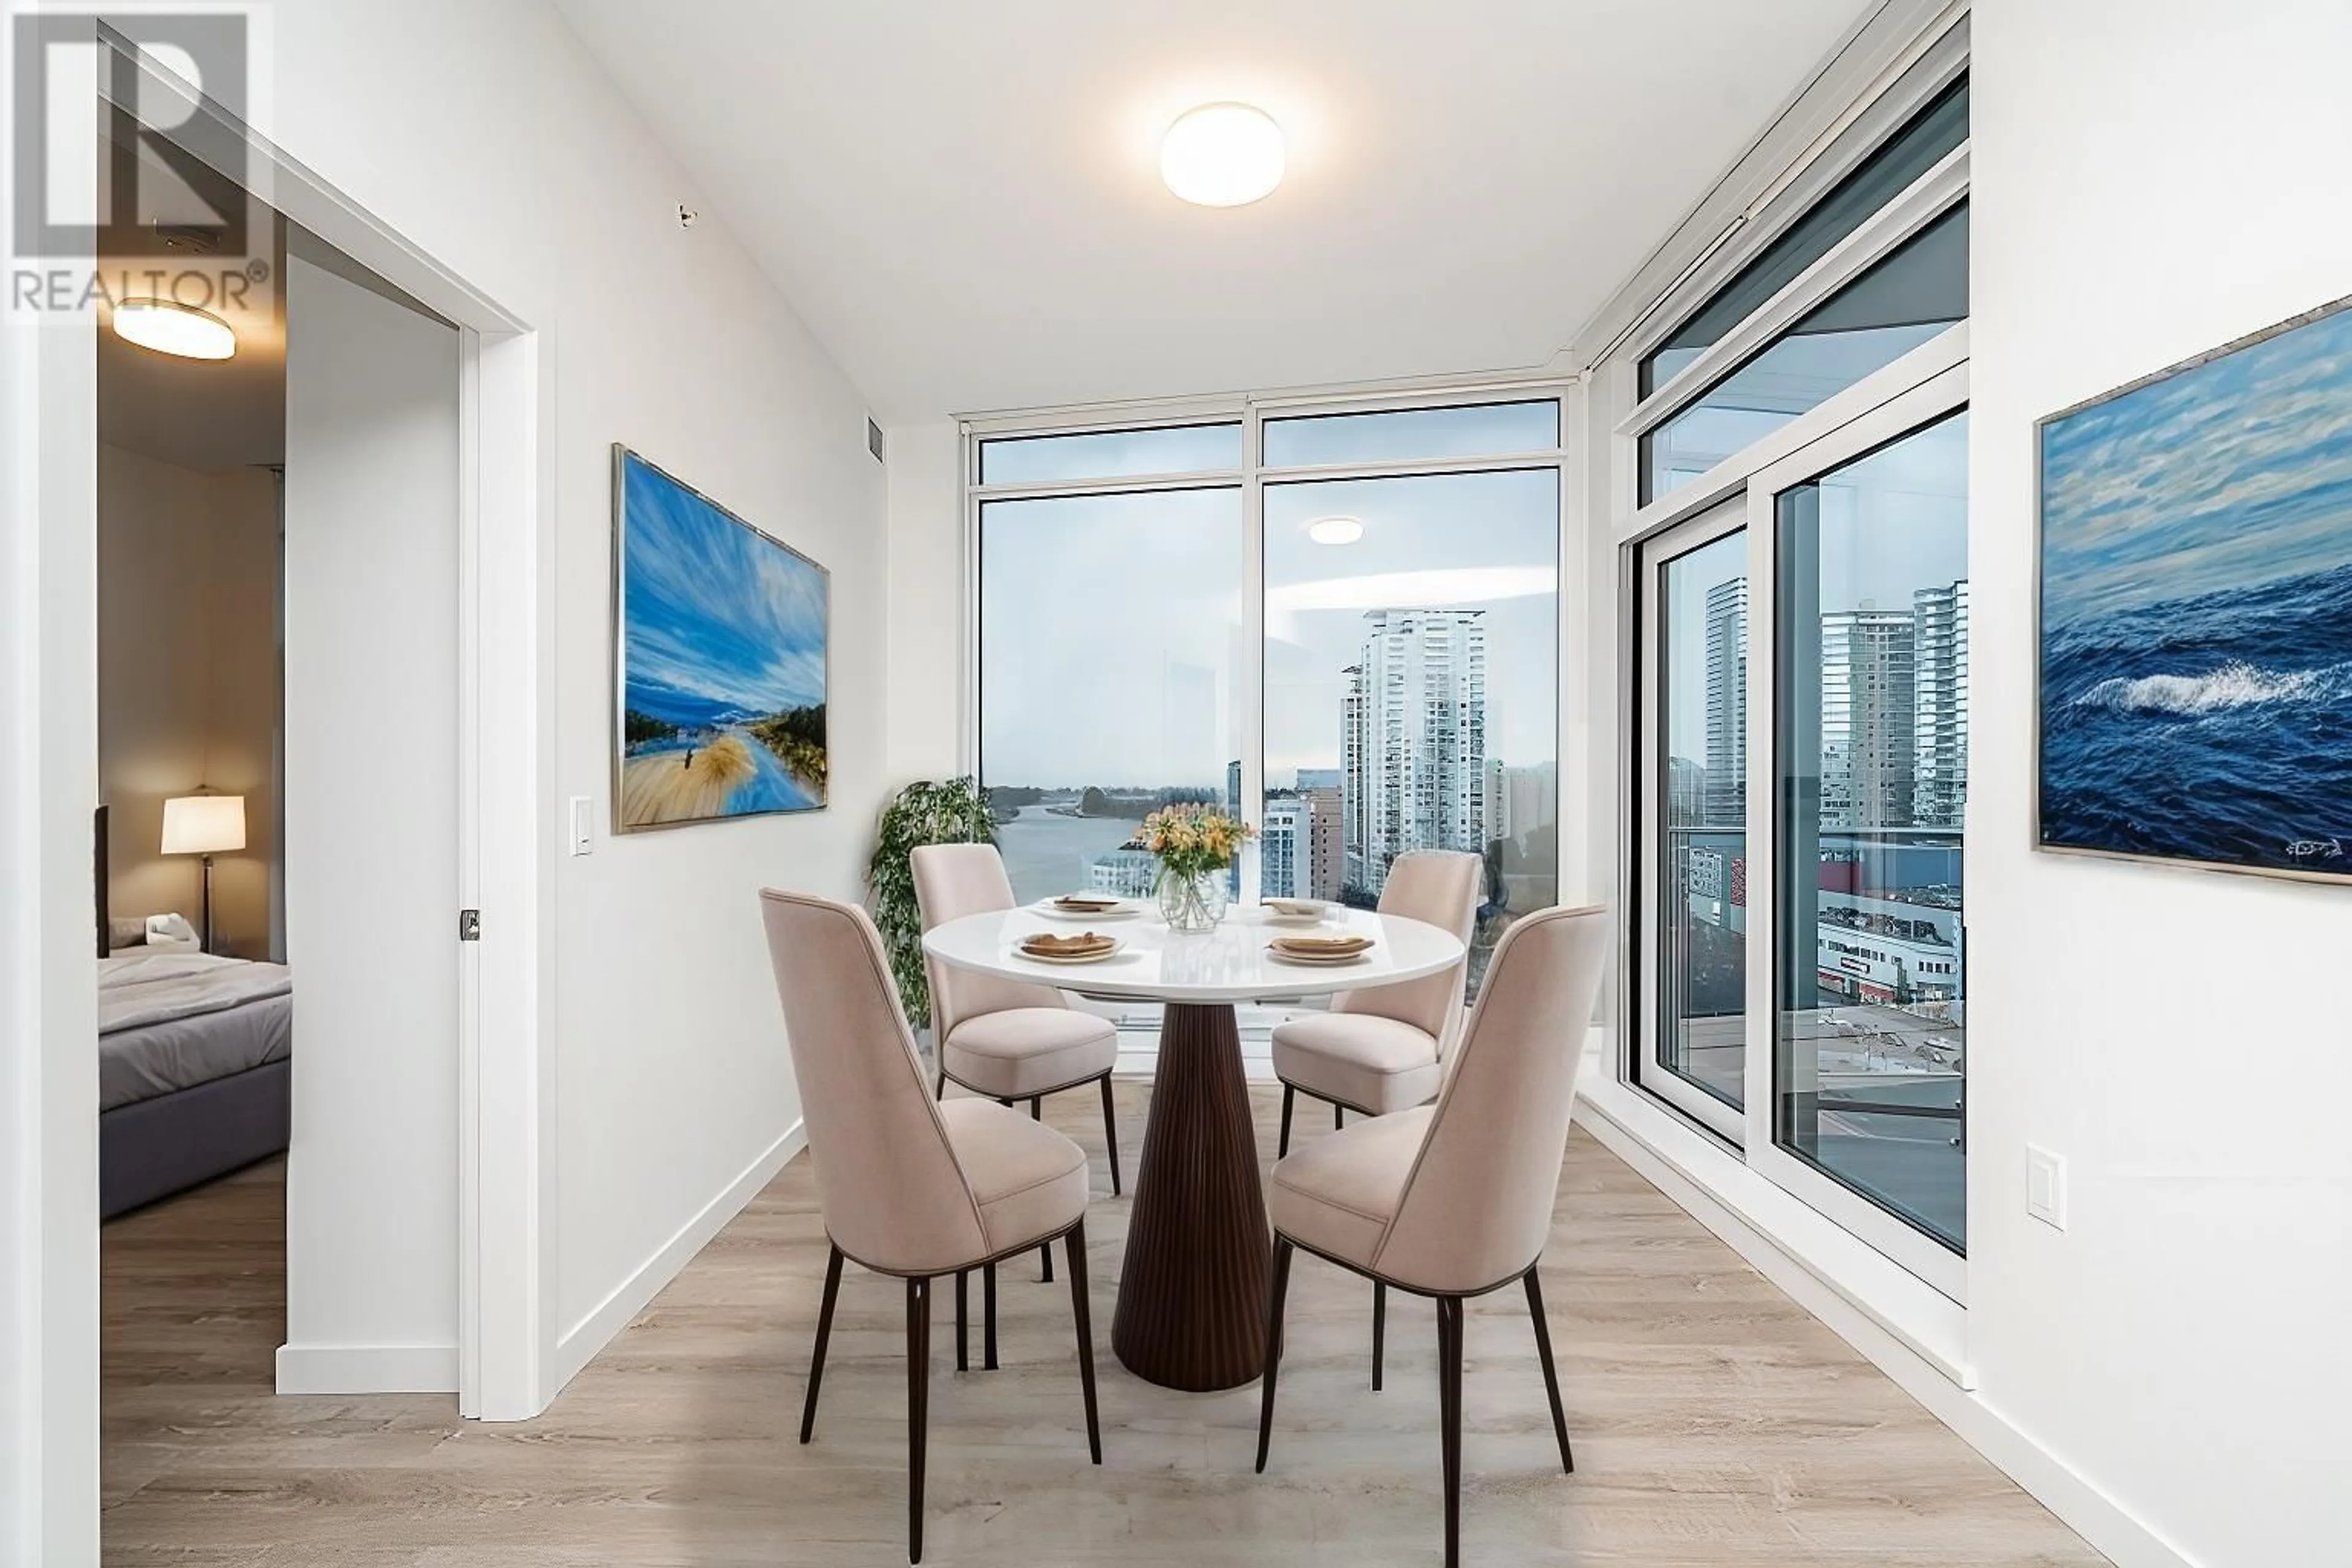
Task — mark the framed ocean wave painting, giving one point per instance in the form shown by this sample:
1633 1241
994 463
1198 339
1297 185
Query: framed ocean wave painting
719 660
2196 610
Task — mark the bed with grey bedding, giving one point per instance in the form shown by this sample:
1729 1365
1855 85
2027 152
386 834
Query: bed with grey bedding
195 1068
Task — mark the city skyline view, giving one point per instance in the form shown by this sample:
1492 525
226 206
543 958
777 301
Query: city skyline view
1867 669
1410 671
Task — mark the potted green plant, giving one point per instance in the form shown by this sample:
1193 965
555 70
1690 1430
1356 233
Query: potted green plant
925 812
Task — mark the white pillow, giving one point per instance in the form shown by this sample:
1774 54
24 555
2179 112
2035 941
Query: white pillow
171 931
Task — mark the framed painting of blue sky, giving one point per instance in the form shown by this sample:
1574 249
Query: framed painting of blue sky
2196 610
719 660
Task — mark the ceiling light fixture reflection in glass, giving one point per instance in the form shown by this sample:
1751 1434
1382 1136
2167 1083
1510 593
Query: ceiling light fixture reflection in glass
1335 530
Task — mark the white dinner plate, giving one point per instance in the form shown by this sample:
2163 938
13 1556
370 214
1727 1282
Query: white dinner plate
1122 911
1298 908
1113 951
1319 960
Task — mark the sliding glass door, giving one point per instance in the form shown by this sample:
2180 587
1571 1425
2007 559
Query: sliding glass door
1800 810
1789 476
1857 1031
1870 766
1693 816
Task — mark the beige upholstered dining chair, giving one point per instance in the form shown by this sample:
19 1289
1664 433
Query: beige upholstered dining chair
1384 1050
1455 1200
1000 1037
909 1186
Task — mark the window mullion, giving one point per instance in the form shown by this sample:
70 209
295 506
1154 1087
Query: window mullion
1252 729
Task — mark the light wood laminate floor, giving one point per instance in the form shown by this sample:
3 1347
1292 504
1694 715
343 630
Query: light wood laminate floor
1715 1422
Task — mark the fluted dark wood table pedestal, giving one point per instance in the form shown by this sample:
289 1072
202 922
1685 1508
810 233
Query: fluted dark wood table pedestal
1192 1294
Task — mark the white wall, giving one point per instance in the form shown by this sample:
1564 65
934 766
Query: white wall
187 674
924 698
2151 180
48 993
372 862
485 135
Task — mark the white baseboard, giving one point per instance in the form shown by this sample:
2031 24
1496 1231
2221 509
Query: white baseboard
579 1344
367 1369
2085 1509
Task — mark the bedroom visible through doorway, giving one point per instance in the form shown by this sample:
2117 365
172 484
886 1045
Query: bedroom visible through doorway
277 869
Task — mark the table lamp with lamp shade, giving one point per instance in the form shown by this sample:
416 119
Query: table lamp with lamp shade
205 825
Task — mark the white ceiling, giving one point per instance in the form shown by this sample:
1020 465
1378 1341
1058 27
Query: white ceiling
963 199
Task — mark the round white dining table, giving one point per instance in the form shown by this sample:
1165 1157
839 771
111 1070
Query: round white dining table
1192 1293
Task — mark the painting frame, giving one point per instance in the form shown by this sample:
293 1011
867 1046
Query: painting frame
2038 825
618 688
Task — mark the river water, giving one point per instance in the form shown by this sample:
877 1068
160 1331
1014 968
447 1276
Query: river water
1046 854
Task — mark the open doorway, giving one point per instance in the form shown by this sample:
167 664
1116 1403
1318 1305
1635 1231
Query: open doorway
279 875
491 1154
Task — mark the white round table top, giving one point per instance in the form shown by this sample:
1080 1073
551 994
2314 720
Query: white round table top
1230 964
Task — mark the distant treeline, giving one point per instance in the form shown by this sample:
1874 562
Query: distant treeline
1134 806
1005 801
638 728
797 737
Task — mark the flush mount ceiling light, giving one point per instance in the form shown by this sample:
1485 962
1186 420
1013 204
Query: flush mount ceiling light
1222 155
1335 531
170 329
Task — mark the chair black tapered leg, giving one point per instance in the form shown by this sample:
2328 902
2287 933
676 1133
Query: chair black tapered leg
963 1340
1379 1330
1551 1376
1449 1417
1289 1098
939 1088
1110 1133
824 1333
988 1317
918 1406
1338 1117
1074 1244
1276 1290
1044 1253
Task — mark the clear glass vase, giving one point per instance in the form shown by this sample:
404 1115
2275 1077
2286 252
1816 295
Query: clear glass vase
1193 903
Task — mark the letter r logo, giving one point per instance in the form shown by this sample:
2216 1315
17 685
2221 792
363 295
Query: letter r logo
104 140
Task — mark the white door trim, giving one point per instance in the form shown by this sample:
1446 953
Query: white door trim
506 720
46 796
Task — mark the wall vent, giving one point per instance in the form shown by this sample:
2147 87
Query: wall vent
874 439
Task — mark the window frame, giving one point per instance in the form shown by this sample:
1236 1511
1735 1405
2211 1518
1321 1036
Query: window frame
1887 231
1253 410
1938 397
1651 557
1922 386
1938 57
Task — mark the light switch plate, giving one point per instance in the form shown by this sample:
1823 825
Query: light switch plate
2045 1186
584 825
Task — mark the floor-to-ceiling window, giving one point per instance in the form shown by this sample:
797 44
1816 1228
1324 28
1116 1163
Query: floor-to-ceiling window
1411 663
1799 595
1399 691
1109 620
